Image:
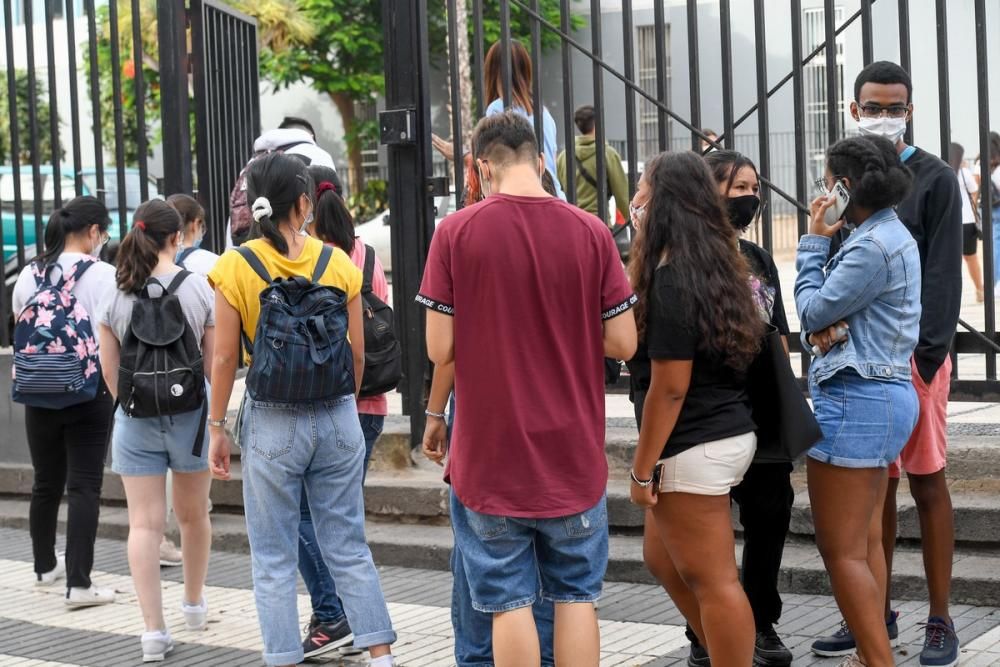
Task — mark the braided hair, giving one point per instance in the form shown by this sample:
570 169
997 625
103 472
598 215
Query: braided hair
878 178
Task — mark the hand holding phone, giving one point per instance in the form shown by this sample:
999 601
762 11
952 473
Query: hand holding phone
841 198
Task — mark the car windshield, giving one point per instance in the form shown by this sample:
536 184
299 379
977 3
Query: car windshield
133 196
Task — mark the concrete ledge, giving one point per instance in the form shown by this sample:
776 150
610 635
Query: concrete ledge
976 579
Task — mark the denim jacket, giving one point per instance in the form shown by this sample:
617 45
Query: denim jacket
873 283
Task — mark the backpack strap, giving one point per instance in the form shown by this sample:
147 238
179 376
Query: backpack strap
77 270
254 261
176 282
587 176
184 255
322 263
369 270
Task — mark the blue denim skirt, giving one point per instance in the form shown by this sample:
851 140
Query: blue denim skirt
866 423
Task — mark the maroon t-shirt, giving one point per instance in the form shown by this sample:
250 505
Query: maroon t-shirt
529 281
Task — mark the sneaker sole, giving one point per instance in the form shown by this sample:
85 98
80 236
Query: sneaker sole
949 664
81 605
831 653
323 650
760 661
156 657
170 563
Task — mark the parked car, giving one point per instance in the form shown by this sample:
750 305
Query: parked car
133 198
375 232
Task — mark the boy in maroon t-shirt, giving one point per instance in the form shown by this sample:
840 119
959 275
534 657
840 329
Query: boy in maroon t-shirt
527 295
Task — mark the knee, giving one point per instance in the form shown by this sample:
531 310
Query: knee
147 521
929 491
191 511
706 584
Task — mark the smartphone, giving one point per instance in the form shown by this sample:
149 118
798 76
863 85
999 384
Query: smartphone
657 476
841 199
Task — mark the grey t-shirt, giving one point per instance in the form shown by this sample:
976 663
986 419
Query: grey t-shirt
196 297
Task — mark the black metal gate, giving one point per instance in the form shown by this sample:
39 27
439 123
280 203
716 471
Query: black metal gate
227 104
818 59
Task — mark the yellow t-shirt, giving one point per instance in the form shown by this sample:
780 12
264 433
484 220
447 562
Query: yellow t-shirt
241 285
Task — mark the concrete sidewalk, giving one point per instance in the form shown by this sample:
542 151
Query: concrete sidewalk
639 625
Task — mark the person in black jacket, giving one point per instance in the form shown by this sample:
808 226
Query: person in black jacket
933 214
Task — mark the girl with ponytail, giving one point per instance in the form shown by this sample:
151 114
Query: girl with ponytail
145 448
288 448
190 253
67 446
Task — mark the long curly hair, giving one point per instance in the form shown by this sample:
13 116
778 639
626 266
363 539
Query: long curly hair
687 227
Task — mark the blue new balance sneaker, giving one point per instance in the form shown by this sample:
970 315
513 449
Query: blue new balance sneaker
940 644
842 641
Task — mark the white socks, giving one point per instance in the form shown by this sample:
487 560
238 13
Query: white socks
382 661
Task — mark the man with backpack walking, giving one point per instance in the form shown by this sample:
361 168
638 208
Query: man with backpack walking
586 167
527 463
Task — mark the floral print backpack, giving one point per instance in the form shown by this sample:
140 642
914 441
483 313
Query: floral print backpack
55 352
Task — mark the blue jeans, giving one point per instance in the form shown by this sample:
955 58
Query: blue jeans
322 589
319 446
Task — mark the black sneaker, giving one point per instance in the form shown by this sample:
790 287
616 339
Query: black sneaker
842 641
698 656
323 637
769 651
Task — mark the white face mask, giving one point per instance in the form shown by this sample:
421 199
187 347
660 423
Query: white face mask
892 129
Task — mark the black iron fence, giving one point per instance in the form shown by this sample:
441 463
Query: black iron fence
77 113
786 161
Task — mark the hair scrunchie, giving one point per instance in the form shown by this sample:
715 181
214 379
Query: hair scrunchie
325 186
139 224
261 208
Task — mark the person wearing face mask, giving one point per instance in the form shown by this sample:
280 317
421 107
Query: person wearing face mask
145 448
932 212
861 387
190 254
68 445
287 444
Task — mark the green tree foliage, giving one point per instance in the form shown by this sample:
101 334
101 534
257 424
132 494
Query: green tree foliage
23 125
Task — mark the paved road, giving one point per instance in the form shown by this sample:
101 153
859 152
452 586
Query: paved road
639 625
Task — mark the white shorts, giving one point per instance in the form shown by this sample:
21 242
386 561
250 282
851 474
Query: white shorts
709 469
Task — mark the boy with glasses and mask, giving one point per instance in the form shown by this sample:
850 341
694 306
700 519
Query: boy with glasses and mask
932 212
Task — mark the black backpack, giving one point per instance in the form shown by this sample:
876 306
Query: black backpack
383 355
161 372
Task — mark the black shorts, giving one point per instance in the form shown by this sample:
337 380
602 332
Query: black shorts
970 239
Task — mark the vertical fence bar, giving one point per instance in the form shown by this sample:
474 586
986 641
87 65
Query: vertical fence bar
537 105
867 50
694 75
477 48
36 158
506 74
944 84
726 35
140 100
173 61
832 96
50 60
763 121
904 52
569 187
116 90
456 105
15 142
74 98
798 103
631 147
600 139
986 199
95 99
659 34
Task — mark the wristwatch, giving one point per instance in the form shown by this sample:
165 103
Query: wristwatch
218 423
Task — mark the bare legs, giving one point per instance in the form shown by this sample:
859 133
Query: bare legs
577 638
846 507
689 547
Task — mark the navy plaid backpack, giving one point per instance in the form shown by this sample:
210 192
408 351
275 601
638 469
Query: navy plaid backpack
300 350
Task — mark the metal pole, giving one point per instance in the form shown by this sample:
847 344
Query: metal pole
140 101
477 44
569 187
116 89
15 140
763 124
986 199
631 141
694 74
505 54
50 59
412 220
904 52
659 34
537 105
726 36
867 50
599 139
36 158
95 99
798 104
74 98
832 96
944 84
171 20
456 106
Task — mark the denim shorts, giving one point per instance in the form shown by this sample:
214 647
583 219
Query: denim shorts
505 557
865 423
151 445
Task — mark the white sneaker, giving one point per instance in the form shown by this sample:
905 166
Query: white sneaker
156 645
170 555
49 578
89 597
195 615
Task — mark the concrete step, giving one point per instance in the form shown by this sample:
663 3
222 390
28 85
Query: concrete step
419 496
976 579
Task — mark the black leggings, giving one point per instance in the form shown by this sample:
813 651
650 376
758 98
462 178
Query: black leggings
67 451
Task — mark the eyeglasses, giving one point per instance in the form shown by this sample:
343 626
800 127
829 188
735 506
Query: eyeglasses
877 110
105 237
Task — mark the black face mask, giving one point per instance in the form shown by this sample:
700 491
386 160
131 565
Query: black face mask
742 210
